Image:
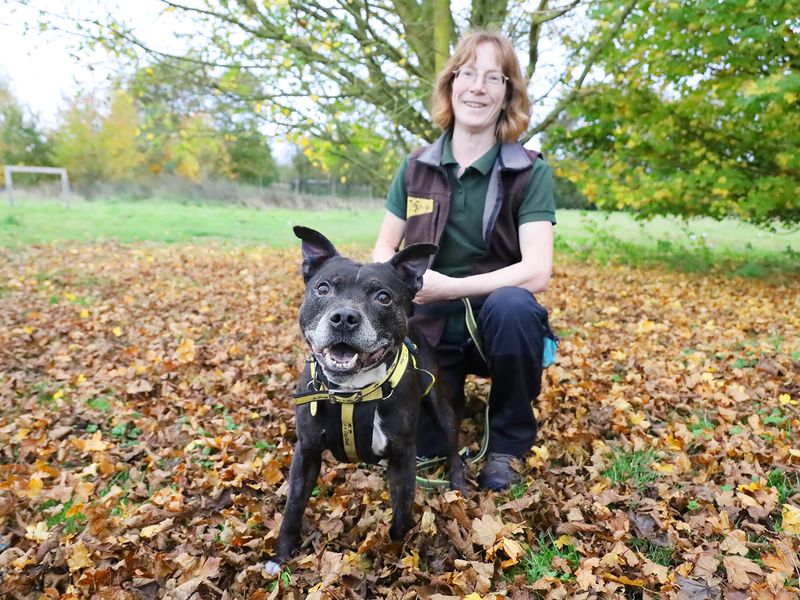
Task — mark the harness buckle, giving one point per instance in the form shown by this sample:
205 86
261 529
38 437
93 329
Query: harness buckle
335 396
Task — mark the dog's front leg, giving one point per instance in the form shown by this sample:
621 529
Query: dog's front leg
302 477
402 485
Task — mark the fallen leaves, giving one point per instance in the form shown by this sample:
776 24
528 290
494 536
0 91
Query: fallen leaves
146 432
791 519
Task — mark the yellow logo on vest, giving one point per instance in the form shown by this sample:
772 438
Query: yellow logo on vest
418 206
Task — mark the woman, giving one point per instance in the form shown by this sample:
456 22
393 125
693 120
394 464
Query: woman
488 204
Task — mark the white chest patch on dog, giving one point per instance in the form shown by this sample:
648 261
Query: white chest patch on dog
379 440
359 380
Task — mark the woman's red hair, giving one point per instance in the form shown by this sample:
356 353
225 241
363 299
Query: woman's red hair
515 116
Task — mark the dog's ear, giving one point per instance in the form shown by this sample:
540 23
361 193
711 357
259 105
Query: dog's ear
317 250
411 262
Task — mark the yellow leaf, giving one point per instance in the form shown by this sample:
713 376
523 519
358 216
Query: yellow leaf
94 444
28 329
38 532
755 486
117 331
186 351
791 519
564 540
663 468
58 395
84 314
154 530
785 399
79 557
34 487
411 561
513 550
426 524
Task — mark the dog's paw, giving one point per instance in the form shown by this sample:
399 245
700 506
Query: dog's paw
272 568
462 487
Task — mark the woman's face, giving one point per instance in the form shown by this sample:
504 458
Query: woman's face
477 104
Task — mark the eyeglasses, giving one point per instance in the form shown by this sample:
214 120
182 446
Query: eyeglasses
470 76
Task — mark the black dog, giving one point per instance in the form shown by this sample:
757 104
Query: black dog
360 394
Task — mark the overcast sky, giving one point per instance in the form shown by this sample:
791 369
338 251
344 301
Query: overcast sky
41 66
44 71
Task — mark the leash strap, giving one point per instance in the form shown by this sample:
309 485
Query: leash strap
472 327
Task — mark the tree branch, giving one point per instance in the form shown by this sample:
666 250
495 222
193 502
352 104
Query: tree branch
576 91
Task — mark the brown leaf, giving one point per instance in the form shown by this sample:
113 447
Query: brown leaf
735 543
139 386
485 530
739 569
697 589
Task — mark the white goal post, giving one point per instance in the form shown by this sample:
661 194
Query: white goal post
8 170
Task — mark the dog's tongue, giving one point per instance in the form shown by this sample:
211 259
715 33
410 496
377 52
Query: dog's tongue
342 353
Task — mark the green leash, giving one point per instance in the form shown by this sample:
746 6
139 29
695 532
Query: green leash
433 484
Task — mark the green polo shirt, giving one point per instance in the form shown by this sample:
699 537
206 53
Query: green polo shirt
462 242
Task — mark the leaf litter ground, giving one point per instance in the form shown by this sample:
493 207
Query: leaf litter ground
146 430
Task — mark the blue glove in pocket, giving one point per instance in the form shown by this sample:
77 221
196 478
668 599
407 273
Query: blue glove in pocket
550 349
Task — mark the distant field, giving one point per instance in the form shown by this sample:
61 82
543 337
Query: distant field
699 245
164 221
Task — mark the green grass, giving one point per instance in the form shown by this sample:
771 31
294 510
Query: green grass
169 222
700 245
538 563
632 468
786 484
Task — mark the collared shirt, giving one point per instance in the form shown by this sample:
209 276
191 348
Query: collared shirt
462 244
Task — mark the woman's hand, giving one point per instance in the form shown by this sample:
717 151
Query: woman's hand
437 287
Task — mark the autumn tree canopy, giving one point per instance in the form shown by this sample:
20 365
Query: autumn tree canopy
661 107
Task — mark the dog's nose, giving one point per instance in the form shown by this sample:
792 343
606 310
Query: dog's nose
344 319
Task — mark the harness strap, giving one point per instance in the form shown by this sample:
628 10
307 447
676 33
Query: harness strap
349 398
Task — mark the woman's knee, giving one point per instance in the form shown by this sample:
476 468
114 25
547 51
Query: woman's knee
514 302
512 320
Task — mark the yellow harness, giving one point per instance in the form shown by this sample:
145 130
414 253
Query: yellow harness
349 398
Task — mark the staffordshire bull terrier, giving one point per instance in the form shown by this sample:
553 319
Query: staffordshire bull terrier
360 393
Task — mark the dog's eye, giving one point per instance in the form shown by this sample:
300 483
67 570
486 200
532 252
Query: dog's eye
323 289
384 297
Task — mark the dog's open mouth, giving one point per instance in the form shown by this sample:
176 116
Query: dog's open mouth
344 358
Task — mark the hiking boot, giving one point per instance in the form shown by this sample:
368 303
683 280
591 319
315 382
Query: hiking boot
500 471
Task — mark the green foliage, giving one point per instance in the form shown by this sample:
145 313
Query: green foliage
697 113
21 140
192 131
787 483
661 555
632 467
538 562
353 75
95 145
251 158
568 195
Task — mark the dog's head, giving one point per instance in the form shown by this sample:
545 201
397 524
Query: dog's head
353 315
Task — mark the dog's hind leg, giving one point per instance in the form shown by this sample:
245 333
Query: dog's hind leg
446 419
302 477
